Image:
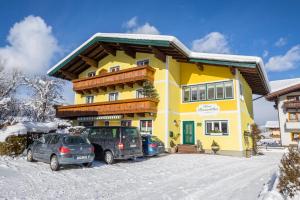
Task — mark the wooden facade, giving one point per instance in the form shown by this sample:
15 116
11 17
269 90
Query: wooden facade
125 107
120 78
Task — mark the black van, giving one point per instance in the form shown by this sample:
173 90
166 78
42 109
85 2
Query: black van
115 142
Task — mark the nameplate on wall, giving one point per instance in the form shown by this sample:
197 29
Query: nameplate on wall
208 109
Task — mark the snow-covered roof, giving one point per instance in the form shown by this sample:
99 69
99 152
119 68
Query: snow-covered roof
282 87
272 124
163 41
282 84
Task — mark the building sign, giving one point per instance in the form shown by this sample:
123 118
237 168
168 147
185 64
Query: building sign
208 109
104 117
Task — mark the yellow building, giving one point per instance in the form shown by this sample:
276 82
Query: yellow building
202 97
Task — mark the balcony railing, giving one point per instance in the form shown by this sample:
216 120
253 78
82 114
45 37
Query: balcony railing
120 78
292 125
130 106
292 104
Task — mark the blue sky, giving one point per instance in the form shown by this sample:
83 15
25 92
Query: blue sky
269 29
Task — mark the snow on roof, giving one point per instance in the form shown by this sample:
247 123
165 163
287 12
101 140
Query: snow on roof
282 84
272 124
179 44
22 128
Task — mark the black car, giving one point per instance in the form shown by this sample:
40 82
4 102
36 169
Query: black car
115 142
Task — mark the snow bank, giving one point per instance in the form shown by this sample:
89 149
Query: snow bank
270 191
22 128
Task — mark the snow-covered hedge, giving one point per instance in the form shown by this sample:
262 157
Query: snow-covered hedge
22 128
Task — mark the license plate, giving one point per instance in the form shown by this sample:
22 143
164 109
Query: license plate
133 145
81 157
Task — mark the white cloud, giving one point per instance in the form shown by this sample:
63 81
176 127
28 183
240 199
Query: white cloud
131 23
265 53
213 42
281 42
133 27
31 45
285 62
264 111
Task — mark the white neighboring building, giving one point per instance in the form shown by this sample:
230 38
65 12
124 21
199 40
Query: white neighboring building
273 130
286 95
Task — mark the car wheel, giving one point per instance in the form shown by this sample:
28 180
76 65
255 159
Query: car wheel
54 165
108 157
88 164
29 156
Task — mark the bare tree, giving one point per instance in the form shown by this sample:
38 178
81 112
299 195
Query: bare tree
47 92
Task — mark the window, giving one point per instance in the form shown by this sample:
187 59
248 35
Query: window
113 96
146 126
194 93
202 92
295 137
106 123
241 91
54 139
86 124
210 91
126 123
91 74
114 69
186 94
294 116
292 98
139 93
89 99
228 89
142 62
215 127
220 90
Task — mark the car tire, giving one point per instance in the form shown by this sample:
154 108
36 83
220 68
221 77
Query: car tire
88 164
109 157
29 156
54 165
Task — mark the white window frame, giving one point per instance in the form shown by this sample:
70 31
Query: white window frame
137 92
232 91
216 90
114 67
91 74
143 60
220 126
207 88
87 99
116 96
140 125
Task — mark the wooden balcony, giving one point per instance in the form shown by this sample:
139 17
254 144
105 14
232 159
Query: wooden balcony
121 107
292 104
120 78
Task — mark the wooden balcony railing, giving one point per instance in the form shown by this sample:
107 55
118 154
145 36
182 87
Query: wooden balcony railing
111 79
130 106
292 104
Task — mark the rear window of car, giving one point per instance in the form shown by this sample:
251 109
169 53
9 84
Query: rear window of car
74 140
130 132
154 139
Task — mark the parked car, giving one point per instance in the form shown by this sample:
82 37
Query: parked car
152 145
61 149
115 142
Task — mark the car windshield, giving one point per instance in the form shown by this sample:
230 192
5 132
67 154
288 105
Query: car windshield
74 140
132 132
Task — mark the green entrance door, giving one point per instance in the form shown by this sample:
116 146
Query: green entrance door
188 132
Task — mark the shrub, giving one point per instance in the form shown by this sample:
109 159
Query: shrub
14 145
289 179
255 134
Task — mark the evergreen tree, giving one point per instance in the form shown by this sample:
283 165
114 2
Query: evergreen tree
255 134
289 180
149 90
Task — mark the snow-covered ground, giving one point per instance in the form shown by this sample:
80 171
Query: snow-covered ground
176 176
